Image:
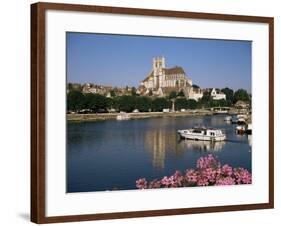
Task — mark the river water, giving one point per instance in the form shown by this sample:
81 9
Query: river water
109 155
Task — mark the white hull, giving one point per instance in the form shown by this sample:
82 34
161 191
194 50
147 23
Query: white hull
187 134
123 116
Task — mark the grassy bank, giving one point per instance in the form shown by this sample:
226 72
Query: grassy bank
140 115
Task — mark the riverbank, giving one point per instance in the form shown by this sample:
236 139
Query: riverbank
139 115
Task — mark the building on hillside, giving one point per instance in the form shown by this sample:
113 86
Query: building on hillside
162 80
195 93
216 94
96 89
242 104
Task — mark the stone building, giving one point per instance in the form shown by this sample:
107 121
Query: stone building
96 89
161 81
161 77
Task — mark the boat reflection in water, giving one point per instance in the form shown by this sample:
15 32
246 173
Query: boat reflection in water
202 145
250 140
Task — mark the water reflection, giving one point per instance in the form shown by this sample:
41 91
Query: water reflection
161 142
158 142
250 140
202 145
110 154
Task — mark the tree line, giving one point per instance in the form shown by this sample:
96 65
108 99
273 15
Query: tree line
78 101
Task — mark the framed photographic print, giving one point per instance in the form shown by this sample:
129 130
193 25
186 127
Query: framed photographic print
140 112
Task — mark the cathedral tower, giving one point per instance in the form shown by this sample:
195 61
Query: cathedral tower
158 72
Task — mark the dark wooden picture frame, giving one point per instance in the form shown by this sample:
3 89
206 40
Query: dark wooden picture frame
38 192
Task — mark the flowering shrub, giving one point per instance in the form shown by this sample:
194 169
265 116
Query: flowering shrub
208 172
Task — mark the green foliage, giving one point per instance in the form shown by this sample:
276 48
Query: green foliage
112 93
159 104
172 95
228 93
206 97
192 104
182 103
241 94
133 91
75 101
109 103
143 104
125 103
95 102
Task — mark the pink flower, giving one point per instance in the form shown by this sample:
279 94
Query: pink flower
202 181
165 181
225 181
207 162
226 170
191 176
155 184
209 174
242 176
141 183
175 180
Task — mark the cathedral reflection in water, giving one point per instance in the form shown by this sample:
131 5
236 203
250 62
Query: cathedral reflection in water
161 142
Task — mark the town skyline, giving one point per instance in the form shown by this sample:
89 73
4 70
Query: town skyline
98 59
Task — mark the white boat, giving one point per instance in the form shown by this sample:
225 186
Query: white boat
241 121
123 116
244 116
202 134
221 111
227 118
249 128
241 129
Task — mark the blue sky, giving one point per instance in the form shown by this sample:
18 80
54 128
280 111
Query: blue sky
120 60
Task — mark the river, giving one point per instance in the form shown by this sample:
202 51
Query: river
110 155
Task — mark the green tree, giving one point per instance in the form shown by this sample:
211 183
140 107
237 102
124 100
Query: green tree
172 95
133 91
112 93
192 104
125 103
69 86
181 103
109 103
143 104
75 101
205 101
206 97
159 104
95 102
228 93
241 94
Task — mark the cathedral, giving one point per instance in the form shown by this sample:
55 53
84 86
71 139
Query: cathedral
161 80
